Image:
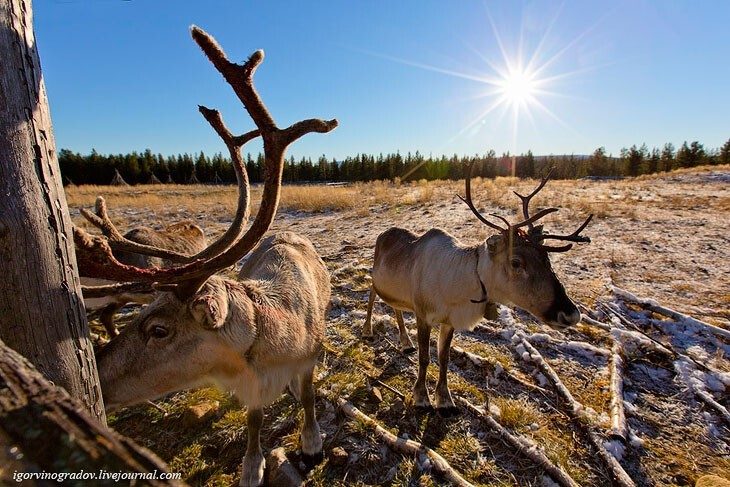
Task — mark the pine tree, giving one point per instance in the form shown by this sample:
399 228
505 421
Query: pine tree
667 157
723 156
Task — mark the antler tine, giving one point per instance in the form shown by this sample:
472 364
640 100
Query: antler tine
526 202
549 248
95 259
573 237
117 241
471 206
535 217
234 144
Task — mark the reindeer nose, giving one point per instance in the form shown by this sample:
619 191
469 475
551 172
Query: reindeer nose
569 319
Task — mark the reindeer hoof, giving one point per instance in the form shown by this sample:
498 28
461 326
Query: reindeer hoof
311 461
368 338
448 411
409 350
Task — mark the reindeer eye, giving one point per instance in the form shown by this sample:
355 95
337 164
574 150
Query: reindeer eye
516 263
158 331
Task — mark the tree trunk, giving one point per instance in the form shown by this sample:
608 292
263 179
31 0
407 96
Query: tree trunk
41 312
42 429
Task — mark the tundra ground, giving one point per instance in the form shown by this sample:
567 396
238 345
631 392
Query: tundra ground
663 237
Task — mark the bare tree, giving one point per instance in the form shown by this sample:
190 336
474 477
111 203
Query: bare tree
41 313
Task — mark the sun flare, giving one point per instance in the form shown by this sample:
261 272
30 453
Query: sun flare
518 87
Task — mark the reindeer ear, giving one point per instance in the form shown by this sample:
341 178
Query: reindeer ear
493 243
210 310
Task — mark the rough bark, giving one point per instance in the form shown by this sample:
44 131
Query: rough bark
43 429
41 313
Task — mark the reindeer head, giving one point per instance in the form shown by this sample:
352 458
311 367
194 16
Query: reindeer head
183 338
519 271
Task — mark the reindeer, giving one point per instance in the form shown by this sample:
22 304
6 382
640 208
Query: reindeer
454 285
185 238
253 335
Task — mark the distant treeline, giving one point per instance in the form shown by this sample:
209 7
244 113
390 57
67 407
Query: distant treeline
139 168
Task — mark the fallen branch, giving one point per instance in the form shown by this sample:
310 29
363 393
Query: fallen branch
523 445
404 446
590 321
652 305
484 362
619 430
577 412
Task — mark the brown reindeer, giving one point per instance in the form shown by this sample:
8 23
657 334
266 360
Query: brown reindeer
253 335
185 238
447 283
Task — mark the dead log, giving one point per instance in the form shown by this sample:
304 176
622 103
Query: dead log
47 430
523 445
578 414
404 446
619 430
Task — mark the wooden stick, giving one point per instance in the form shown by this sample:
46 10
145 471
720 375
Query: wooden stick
618 430
523 445
404 446
652 305
386 386
577 412
588 320
483 362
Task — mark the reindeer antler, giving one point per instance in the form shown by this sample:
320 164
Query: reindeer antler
94 253
534 235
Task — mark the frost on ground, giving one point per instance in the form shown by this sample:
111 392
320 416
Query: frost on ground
660 237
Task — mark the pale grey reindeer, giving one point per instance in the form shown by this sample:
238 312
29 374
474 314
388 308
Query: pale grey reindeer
253 335
450 284
181 239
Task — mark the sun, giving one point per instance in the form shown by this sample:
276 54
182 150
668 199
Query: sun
518 87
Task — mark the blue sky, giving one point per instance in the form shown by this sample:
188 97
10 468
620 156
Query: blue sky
407 75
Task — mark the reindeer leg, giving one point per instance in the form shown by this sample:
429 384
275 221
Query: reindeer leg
444 402
107 318
311 437
252 472
406 345
367 328
420 391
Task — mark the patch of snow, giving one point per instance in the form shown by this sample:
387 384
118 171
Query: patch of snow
538 338
615 448
507 334
585 349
